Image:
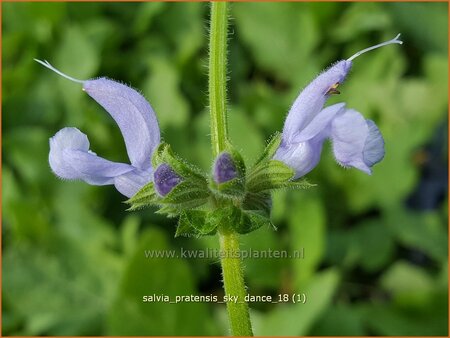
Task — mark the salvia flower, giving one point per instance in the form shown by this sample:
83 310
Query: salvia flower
224 168
70 157
165 179
357 142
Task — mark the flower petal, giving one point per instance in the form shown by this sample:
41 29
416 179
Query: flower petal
349 132
311 100
373 151
165 179
130 183
224 168
70 158
132 113
319 123
302 157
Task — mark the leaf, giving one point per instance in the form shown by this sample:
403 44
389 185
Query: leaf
340 320
161 276
74 288
262 202
167 98
306 222
252 220
411 286
197 223
424 231
296 319
283 47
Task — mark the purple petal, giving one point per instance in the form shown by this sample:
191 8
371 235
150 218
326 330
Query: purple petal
320 122
356 142
302 157
132 113
130 183
70 158
165 179
311 100
224 168
373 151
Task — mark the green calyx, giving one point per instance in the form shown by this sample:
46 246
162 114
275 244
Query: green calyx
234 196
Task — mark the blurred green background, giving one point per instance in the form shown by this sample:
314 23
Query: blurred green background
375 247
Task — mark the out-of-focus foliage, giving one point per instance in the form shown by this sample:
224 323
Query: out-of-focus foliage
375 246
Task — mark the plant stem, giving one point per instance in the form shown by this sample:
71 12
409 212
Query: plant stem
233 277
217 76
233 280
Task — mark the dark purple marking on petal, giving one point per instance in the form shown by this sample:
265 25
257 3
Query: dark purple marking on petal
165 179
224 168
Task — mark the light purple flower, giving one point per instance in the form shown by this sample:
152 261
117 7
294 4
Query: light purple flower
70 157
165 179
224 168
357 142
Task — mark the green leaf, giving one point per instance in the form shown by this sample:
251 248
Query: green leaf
286 35
306 221
410 285
261 202
339 320
424 231
130 315
252 220
75 286
296 319
167 98
196 223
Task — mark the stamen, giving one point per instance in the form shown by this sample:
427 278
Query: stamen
46 64
394 40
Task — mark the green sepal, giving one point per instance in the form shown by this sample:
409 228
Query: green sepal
270 149
186 195
272 175
145 197
251 220
241 221
196 223
261 201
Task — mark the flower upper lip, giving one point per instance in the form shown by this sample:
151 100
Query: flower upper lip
70 157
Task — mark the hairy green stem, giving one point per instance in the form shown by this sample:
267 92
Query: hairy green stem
217 76
233 280
233 276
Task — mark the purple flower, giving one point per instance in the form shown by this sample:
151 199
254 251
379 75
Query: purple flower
165 179
224 168
70 157
357 142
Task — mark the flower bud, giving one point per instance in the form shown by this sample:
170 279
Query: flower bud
165 179
224 169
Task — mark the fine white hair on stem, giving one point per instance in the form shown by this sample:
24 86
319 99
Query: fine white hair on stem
46 64
394 40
